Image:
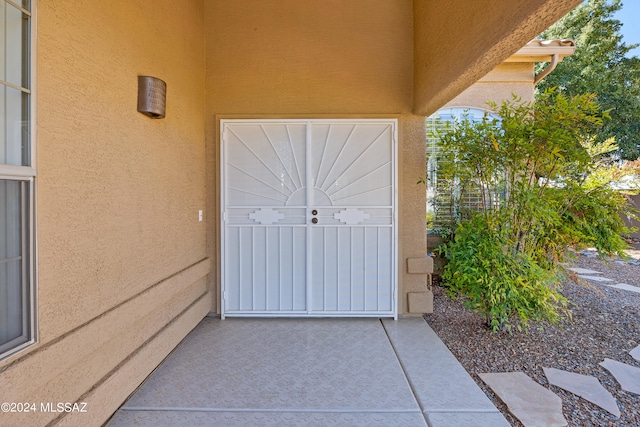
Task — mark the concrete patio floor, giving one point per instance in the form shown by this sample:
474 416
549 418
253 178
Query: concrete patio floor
293 372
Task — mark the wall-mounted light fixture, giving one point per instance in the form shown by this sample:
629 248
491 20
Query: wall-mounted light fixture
152 97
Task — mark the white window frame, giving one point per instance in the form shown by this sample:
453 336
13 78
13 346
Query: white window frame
27 175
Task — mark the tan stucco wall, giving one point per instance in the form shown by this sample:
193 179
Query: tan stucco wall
458 41
294 58
122 268
309 57
512 78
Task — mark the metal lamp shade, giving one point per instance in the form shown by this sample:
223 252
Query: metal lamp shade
152 97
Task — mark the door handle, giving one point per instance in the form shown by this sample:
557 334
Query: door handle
314 212
314 220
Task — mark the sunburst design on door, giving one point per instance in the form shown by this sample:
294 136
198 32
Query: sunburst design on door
266 162
272 167
352 163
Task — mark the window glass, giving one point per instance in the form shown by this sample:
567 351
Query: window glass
14 294
14 127
14 25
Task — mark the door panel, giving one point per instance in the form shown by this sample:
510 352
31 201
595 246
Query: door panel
351 271
308 217
266 269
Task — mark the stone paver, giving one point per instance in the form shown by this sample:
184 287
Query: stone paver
628 376
626 287
635 353
527 400
595 278
585 386
579 270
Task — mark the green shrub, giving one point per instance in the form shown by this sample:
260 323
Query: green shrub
555 181
505 285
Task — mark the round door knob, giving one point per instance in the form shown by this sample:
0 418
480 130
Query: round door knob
314 212
314 220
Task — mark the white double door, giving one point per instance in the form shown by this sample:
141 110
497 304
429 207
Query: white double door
308 217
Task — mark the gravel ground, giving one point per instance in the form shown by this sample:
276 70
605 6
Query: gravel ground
606 324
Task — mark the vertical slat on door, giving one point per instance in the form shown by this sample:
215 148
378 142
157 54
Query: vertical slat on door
371 269
300 261
231 267
286 278
293 269
272 266
344 269
385 297
358 255
246 269
259 269
318 268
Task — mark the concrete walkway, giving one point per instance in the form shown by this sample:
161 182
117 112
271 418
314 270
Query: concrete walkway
292 372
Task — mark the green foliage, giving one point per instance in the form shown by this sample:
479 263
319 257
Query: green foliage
456 199
503 284
546 185
429 220
600 65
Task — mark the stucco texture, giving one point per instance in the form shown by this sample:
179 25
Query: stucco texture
457 43
309 57
121 253
320 59
499 84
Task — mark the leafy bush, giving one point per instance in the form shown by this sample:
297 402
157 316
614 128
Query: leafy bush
546 186
499 282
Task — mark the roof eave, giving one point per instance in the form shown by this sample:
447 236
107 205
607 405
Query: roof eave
543 51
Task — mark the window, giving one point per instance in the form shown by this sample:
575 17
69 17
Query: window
448 202
17 176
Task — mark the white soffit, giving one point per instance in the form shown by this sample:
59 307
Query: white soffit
543 50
